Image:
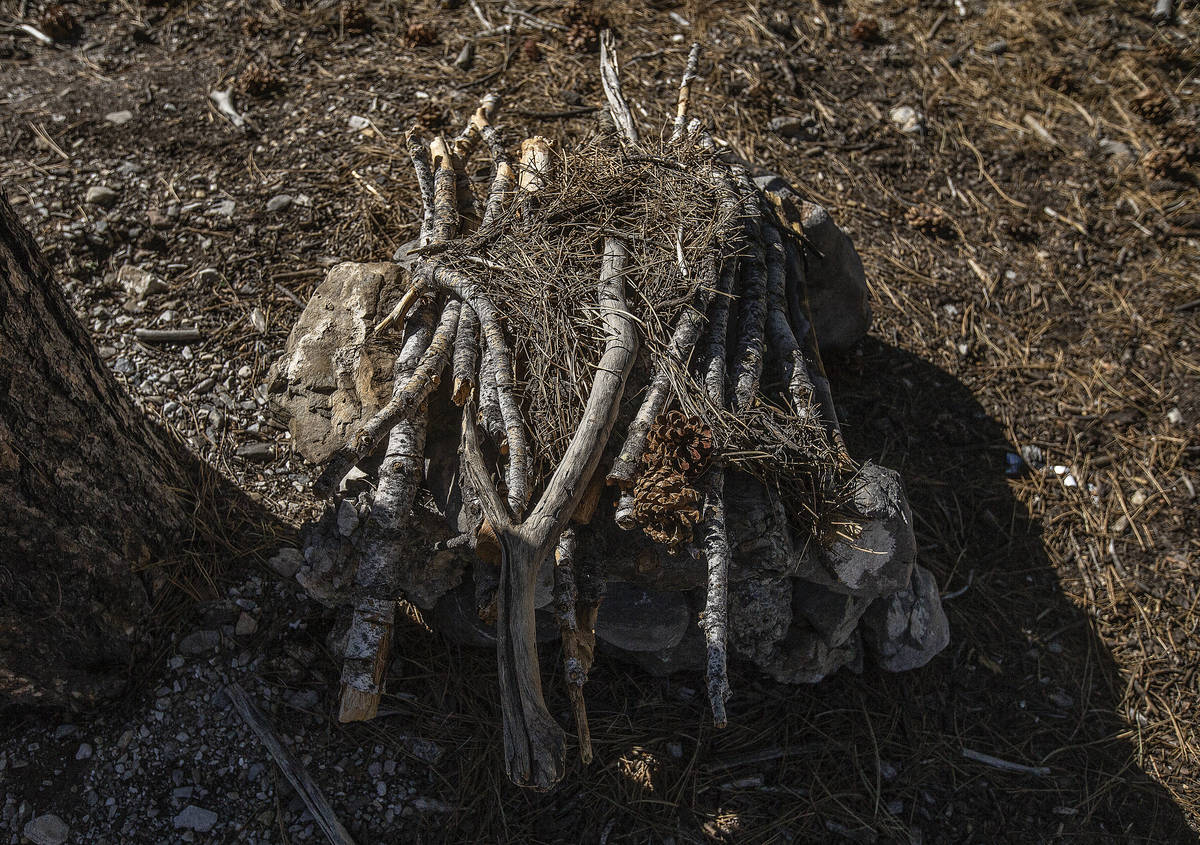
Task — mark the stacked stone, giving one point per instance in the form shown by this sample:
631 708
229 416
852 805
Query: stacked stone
800 607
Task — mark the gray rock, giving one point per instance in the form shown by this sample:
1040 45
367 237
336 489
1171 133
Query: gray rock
246 625
84 752
100 195
139 283
804 656
195 818
199 642
905 630
347 518
837 286
119 118
907 119
46 830
287 562
225 209
329 380
279 202
879 559
832 615
635 619
124 366
760 613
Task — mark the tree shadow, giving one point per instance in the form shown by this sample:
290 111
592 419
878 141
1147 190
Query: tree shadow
879 757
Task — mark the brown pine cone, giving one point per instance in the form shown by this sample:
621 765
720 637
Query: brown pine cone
583 26
865 31
257 80
59 23
531 50
1151 106
421 34
681 442
1058 77
1168 163
354 17
929 219
666 507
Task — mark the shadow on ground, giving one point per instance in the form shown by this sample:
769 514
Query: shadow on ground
870 758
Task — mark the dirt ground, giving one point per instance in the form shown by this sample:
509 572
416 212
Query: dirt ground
1030 237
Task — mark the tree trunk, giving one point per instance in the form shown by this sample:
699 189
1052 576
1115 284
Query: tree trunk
89 495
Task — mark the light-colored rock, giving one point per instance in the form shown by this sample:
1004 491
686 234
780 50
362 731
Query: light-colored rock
139 283
907 119
100 195
287 561
195 818
347 518
46 830
906 629
119 118
279 202
329 380
634 619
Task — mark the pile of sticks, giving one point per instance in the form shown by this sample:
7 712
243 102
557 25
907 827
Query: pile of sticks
747 326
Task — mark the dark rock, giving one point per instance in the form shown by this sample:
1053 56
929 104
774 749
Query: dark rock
906 629
46 830
636 619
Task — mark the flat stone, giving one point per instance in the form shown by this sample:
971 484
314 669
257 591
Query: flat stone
199 642
329 380
347 518
246 625
101 195
119 118
138 282
195 818
225 209
279 202
906 629
636 619
287 562
46 830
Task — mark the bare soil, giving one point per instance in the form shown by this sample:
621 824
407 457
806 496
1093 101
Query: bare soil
1032 251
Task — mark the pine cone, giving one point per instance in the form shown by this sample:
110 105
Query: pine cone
865 31
1058 77
930 220
531 50
430 116
257 80
421 34
59 23
1151 106
1168 163
666 507
583 26
680 442
1184 137
354 17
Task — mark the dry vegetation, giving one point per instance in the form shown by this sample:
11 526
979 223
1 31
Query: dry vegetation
1033 257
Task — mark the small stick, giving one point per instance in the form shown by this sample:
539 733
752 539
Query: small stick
575 662
715 619
489 402
610 79
445 190
781 339
422 166
168 335
466 355
224 103
406 401
400 312
502 180
292 769
1005 765
752 311
368 642
685 93
535 167
465 141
